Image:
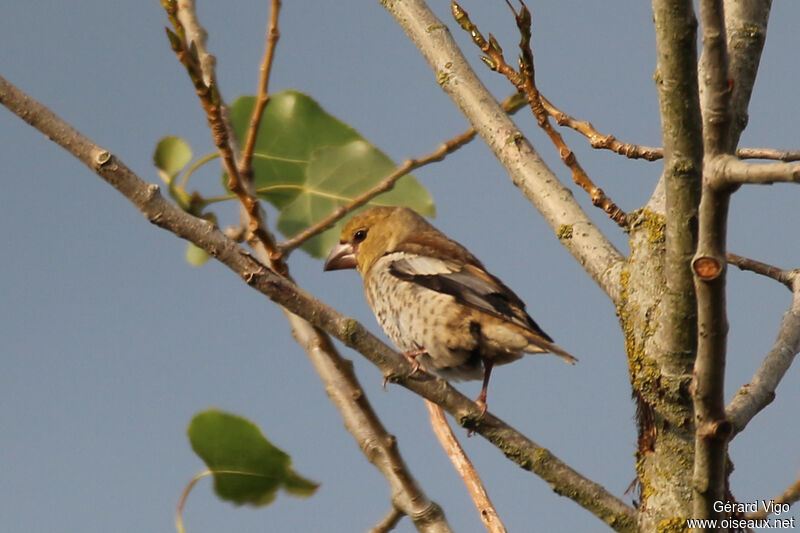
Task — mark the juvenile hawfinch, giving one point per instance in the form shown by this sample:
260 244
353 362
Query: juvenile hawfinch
434 299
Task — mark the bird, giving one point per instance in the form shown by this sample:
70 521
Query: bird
435 300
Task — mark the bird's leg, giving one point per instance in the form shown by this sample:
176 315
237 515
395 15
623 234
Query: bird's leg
487 371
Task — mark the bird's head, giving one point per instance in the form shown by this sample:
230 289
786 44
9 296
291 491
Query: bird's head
371 234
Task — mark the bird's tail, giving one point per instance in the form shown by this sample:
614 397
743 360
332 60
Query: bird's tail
566 356
541 345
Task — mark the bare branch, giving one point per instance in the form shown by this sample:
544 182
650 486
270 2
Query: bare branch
489 517
584 241
511 105
790 496
746 28
768 153
524 81
209 95
676 80
786 277
650 153
195 33
681 123
388 522
599 140
148 199
716 86
273 34
379 447
712 429
737 172
753 397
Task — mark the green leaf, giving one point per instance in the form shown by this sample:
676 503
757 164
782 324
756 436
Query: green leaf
196 256
307 162
247 468
170 156
335 175
293 125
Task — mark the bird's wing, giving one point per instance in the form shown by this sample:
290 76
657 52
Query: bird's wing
468 283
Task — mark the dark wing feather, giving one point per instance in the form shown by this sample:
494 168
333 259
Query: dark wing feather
468 283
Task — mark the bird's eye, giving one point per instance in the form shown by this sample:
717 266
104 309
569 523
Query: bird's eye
360 235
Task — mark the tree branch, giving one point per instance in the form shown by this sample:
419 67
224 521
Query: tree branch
486 510
209 95
768 153
790 496
785 277
537 182
737 172
148 199
746 28
608 141
716 86
677 196
753 397
388 522
676 80
273 34
712 429
599 140
525 82
378 446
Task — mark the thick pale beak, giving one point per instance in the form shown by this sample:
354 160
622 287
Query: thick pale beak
342 256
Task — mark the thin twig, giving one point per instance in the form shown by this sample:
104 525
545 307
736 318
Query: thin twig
209 95
754 396
650 153
273 34
524 81
599 140
780 275
786 156
789 496
465 469
388 522
511 105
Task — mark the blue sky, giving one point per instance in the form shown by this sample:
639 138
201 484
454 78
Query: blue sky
111 342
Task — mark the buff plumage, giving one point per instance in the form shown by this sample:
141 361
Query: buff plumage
434 299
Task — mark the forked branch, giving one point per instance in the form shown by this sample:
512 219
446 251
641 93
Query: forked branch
524 81
753 397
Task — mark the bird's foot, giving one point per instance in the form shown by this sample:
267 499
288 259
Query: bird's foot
411 357
481 401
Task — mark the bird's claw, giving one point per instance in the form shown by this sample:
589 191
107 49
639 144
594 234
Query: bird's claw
480 401
411 357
